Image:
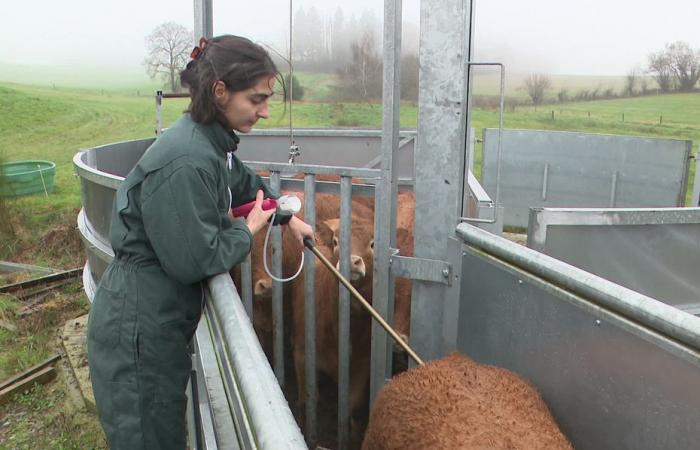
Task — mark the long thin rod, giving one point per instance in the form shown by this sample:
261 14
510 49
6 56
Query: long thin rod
310 245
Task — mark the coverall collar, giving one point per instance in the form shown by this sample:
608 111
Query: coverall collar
226 140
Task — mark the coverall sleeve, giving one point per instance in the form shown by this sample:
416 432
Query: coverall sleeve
245 184
192 239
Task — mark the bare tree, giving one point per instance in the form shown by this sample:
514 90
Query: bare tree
563 95
169 47
631 82
685 64
660 68
676 66
536 85
363 75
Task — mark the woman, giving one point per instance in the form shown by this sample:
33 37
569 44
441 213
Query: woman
171 230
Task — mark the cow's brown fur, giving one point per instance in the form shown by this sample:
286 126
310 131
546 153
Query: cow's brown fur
457 403
327 207
326 301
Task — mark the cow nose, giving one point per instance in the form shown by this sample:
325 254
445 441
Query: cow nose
357 267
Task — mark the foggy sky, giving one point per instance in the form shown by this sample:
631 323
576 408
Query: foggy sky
596 37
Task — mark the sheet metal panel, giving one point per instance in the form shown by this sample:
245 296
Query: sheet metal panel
609 382
354 148
655 252
569 169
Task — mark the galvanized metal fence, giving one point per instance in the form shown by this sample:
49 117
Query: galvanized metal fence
345 191
616 368
583 170
655 252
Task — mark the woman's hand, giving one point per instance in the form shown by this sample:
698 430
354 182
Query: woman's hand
300 230
257 218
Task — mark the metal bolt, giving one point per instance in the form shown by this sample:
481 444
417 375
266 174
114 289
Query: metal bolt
520 281
597 322
445 273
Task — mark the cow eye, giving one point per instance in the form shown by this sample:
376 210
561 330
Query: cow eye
371 244
335 241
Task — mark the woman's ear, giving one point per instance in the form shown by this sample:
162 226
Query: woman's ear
220 91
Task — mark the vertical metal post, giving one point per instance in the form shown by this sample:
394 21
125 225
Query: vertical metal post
385 197
344 315
310 315
440 174
613 189
159 112
203 20
545 181
695 200
247 286
470 147
277 300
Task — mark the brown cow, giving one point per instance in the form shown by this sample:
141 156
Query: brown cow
326 301
327 207
458 403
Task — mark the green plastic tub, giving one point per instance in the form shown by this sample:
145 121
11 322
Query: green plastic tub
26 178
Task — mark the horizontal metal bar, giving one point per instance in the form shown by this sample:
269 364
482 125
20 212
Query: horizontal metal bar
285 168
265 404
7 266
173 95
324 132
216 428
477 220
421 269
658 316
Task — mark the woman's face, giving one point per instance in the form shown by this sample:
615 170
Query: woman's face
242 109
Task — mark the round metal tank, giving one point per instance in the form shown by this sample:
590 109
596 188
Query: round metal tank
101 170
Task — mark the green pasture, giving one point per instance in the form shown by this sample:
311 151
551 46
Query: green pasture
42 122
487 81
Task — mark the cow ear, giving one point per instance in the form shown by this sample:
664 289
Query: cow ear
325 234
334 225
263 288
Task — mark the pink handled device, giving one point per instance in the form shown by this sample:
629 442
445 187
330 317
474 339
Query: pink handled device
244 210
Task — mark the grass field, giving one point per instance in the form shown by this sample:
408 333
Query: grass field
48 123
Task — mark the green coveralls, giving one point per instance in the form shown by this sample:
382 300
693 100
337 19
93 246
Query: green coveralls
170 231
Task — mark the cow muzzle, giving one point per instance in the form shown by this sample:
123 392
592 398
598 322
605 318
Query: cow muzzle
358 270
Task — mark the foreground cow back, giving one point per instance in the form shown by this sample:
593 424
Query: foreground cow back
456 403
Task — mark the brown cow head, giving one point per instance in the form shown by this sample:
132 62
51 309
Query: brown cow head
361 246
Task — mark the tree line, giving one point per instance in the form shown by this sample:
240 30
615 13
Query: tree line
349 46
675 68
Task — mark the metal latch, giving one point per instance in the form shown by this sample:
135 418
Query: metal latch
421 269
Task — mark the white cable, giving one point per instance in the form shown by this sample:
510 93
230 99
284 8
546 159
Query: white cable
267 236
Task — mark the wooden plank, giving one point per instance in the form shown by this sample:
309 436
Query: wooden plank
43 376
23 295
29 372
73 273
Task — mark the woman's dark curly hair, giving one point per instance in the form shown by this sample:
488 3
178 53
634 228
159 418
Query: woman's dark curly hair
236 61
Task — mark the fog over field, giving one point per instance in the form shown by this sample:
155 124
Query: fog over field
597 37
